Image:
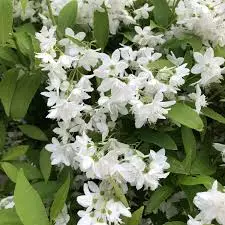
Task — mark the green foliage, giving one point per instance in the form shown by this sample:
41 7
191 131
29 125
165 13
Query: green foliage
29 205
67 16
45 164
10 170
15 152
186 116
2 134
157 197
213 115
136 217
160 139
175 223
33 132
101 28
6 20
161 12
9 217
189 147
60 199
26 88
7 88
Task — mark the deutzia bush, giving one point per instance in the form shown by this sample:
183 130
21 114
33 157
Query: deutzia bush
112 112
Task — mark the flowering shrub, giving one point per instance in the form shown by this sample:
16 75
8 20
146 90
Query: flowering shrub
112 112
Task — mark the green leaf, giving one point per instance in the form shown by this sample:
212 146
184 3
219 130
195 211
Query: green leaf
60 199
136 217
33 132
46 190
24 43
219 51
101 28
67 16
207 181
15 152
31 172
202 165
160 64
176 166
29 206
213 115
9 217
10 170
7 88
160 139
175 223
186 116
6 19
189 143
119 193
45 164
25 90
159 196
161 12
9 56
2 134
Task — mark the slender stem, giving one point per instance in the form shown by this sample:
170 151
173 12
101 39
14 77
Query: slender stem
50 12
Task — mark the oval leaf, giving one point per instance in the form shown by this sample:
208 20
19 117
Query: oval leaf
67 16
161 12
15 152
60 199
45 164
33 132
25 90
186 116
101 28
7 88
213 115
10 170
29 206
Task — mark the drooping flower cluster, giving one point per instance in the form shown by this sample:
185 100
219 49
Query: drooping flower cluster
89 91
204 18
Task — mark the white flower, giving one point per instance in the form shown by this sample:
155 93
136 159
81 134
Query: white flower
47 39
211 205
173 59
7 203
151 112
209 67
158 163
200 100
146 37
221 148
100 206
193 221
61 153
63 218
143 12
111 66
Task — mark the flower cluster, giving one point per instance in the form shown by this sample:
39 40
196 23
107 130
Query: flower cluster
203 18
88 91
